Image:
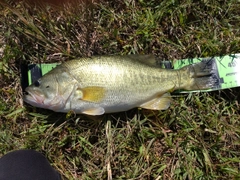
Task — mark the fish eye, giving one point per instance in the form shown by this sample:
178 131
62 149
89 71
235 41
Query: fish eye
37 83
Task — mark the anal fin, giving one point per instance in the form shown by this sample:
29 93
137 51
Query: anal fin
158 103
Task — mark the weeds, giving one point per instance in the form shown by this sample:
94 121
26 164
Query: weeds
197 138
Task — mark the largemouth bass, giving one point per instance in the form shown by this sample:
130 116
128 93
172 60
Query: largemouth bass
107 84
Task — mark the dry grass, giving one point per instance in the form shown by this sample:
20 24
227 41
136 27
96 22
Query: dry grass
197 138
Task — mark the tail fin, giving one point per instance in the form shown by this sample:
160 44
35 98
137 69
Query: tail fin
203 75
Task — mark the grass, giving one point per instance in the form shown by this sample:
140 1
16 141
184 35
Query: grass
196 138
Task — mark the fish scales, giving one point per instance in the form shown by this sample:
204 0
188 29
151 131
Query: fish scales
135 79
123 74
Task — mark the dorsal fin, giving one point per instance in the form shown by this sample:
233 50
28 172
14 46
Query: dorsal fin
147 59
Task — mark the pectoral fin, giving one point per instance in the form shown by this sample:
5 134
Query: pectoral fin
94 111
158 103
91 93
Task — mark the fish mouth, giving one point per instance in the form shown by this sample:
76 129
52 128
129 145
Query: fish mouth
33 98
38 99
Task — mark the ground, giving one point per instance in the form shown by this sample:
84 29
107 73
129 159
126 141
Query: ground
196 138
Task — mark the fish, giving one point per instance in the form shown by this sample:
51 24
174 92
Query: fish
114 83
